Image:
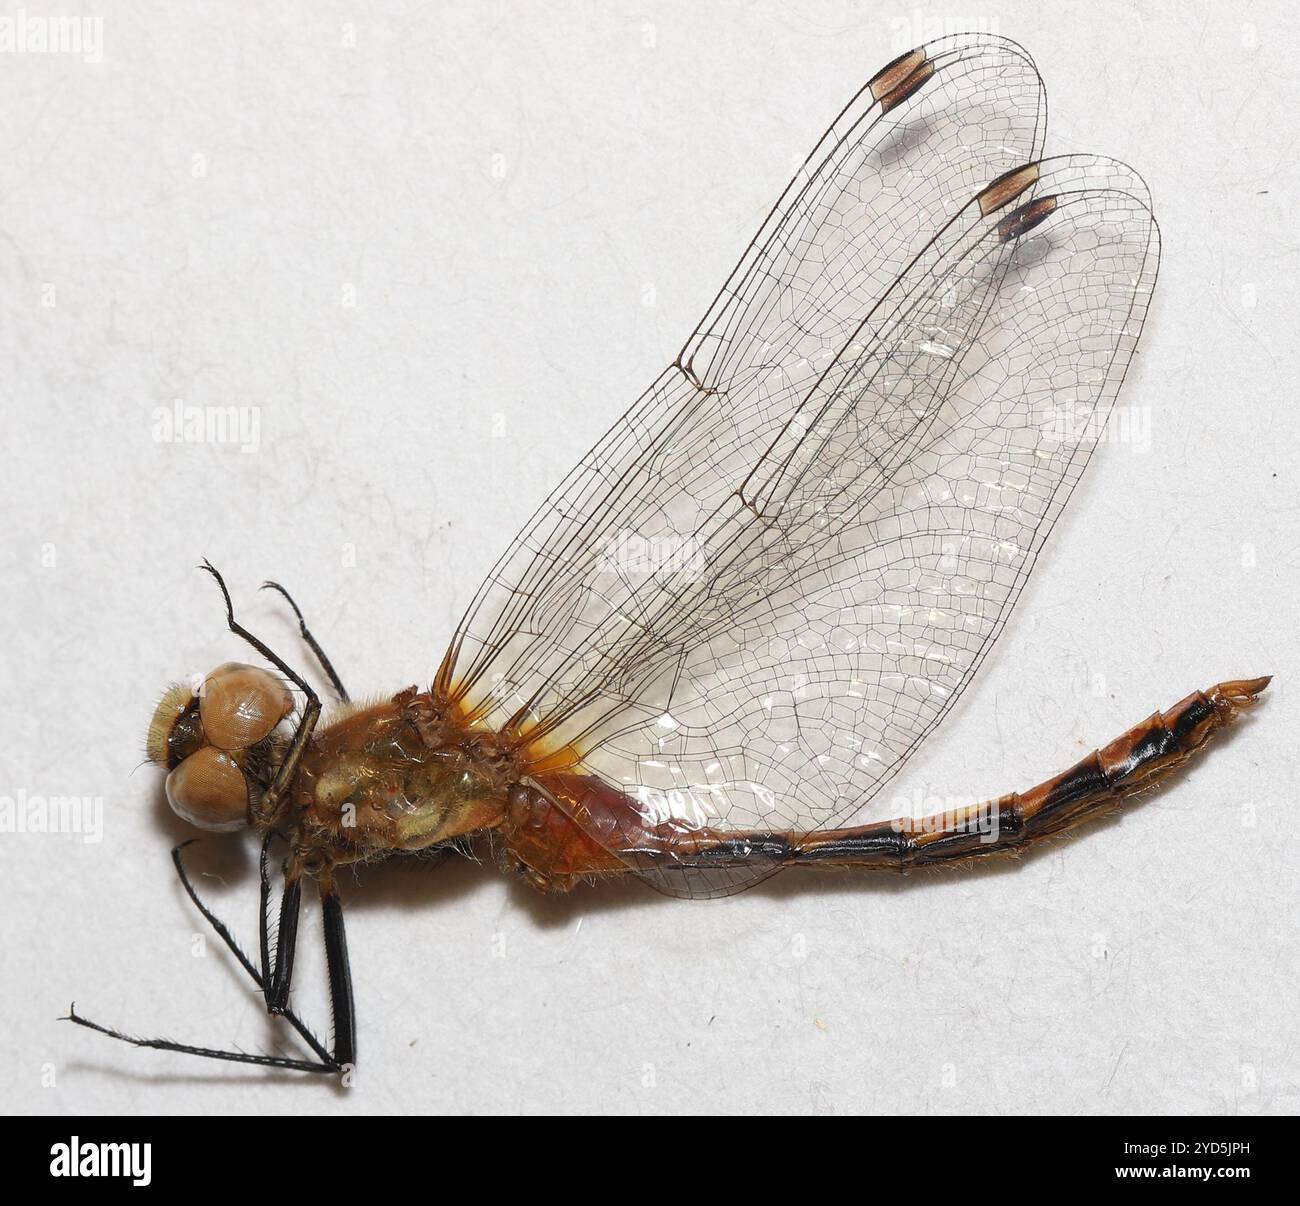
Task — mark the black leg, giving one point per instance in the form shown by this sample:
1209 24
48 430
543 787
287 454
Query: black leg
340 974
238 1057
223 932
325 664
264 903
325 1062
240 631
286 943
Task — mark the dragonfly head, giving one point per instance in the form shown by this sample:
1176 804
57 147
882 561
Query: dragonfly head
212 741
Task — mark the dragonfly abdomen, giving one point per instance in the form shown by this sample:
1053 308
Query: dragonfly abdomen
1134 761
573 827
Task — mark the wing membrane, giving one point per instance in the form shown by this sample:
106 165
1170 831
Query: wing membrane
867 199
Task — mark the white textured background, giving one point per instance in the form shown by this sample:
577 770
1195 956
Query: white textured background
530 207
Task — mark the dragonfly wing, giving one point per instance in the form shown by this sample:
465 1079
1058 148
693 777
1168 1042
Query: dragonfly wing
906 153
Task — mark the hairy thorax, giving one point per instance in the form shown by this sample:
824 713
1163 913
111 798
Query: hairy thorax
401 775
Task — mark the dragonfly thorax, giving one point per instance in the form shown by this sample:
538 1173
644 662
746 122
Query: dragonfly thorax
398 776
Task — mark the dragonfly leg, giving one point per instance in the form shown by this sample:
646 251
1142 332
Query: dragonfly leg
325 1062
238 1057
340 974
276 980
277 977
311 642
261 979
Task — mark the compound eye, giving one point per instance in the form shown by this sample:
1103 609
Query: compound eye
209 790
239 705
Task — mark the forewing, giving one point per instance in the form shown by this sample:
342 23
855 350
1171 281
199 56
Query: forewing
905 155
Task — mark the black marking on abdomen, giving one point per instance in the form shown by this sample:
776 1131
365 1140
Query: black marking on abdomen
1196 713
879 843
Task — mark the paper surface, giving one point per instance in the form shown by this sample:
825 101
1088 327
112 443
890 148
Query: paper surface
434 255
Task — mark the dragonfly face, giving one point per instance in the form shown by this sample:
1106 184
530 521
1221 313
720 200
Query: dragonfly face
217 743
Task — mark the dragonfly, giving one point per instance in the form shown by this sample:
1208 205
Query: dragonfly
749 604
